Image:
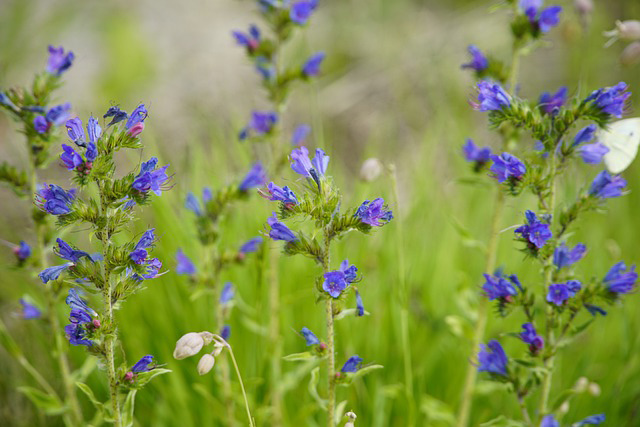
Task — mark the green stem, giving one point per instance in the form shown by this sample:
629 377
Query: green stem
331 368
524 410
403 293
244 393
109 353
274 336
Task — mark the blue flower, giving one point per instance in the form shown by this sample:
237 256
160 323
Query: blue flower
352 364
40 124
54 199
76 131
551 102
52 273
620 281
375 213
278 194
359 304
261 123
300 134
54 117
499 286
59 61
491 97
93 130
76 334
81 314
117 114
227 293
549 421
185 265
279 231
80 317
301 164
140 253
610 100
225 333
6 101
478 62
266 68
71 158
563 257
335 282
137 116
493 360
143 364
559 293
531 337
76 302
150 178
506 166
251 245
472 153
535 231
544 19
256 177
311 68
595 310
29 311
585 134
593 153
153 266
22 251
301 11
606 186
65 251
193 204
592 420
309 336
250 40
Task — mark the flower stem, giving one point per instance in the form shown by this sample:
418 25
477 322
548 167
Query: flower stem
109 354
244 393
525 411
331 368
274 336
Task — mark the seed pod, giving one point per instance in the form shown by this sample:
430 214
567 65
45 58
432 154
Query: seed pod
206 363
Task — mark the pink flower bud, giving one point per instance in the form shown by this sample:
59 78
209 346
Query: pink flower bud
136 129
96 323
128 376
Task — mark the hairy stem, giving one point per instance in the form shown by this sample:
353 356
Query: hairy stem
109 354
331 365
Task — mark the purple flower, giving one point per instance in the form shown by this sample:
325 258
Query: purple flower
544 19
606 186
57 115
139 253
491 97
71 158
278 194
65 251
76 131
185 265
530 336
193 204
300 134
595 310
251 245
250 40
261 123
549 421
301 164
137 116
54 199
59 61
29 311
301 11
585 134
472 153
225 333
559 293
620 281
279 231
352 364
493 360
593 153
150 178
117 114
143 364
309 336
592 420
81 315
153 266
563 257
550 102
91 153
22 251
76 302
311 68
266 68
375 213
499 286
535 231
610 100
227 293
256 177
506 166
335 282
359 304
40 124
478 62
94 130
76 334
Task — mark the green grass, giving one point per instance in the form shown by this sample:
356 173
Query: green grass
393 90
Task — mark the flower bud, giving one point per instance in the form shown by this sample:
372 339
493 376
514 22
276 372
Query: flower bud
96 323
128 376
583 7
631 54
594 389
206 363
371 169
136 129
191 344
217 349
625 30
581 385
564 408
351 415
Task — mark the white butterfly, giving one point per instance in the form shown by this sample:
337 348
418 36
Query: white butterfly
622 138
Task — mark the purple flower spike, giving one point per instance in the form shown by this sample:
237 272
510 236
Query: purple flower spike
478 62
375 213
531 337
606 186
507 166
491 97
535 231
143 364
493 360
59 61
563 257
279 231
184 264
352 364
256 177
301 11
620 281
54 199
29 311
551 102
311 68
309 336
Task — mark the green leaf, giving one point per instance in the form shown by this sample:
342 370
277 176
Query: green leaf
145 377
339 412
51 405
292 379
89 393
366 370
502 421
294 357
348 313
437 411
313 388
128 408
562 397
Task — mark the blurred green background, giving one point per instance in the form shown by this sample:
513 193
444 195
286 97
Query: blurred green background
392 88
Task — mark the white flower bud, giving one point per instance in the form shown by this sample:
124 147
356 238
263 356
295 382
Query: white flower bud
191 343
631 54
349 424
371 169
594 389
564 408
581 385
583 7
206 363
351 415
217 349
625 30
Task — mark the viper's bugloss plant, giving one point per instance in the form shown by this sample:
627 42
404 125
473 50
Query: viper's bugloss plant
321 220
121 267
